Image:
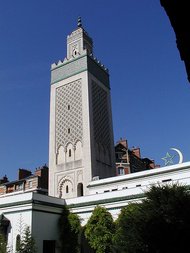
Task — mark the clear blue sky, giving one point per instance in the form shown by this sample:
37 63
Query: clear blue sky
133 38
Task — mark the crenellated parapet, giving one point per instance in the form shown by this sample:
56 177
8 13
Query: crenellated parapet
65 61
85 62
99 63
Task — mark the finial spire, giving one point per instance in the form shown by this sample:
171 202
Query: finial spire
79 24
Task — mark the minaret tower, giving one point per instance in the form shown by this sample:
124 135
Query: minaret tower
81 146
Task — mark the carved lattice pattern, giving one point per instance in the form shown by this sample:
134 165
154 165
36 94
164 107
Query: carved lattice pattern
100 115
69 114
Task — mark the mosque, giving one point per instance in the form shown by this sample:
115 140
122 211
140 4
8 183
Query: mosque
81 154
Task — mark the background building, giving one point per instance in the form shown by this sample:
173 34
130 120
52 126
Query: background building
26 181
129 160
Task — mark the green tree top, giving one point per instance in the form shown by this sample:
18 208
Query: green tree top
100 229
160 224
128 229
27 243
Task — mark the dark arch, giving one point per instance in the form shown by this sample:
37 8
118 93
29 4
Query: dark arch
80 190
4 224
67 189
18 242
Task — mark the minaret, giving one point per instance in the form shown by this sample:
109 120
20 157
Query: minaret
81 146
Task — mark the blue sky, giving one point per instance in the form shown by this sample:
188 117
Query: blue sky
133 38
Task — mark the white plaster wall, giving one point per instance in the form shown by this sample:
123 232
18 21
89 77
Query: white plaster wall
99 168
42 212
61 155
179 173
78 151
45 227
19 221
39 212
84 206
55 172
17 210
87 149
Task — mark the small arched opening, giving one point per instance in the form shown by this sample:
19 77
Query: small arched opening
80 190
18 243
4 224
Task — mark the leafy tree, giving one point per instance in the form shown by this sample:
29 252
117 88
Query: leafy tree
27 243
160 224
167 218
99 230
69 228
84 244
127 237
3 244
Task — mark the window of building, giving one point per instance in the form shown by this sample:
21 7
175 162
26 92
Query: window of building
69 130
69 152
166 180
80 190
19 187
121 171
69 107
67 189
30 184
18 241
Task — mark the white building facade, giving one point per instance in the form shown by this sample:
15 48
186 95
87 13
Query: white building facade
38 212
116 192
41 213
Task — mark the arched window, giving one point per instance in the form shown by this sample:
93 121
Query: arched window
80 190
67 189
69 152
18 243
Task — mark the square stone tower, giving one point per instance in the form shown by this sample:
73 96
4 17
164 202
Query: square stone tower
81 146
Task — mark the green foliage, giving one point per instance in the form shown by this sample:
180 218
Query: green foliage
167 218
27 243
2 244
75 223
160 224
69 228
99 230
127 237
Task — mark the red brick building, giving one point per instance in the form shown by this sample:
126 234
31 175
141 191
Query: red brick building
129 160
38 181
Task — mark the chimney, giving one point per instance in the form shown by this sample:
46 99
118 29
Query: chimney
123 142
23 173
4 180
136 151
